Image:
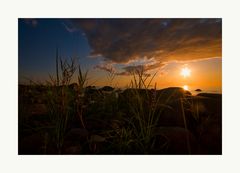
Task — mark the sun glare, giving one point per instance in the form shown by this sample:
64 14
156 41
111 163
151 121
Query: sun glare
185 87
185 72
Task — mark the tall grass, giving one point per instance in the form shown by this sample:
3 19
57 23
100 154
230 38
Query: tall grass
137 133
143 108
62 103
82 81
59 102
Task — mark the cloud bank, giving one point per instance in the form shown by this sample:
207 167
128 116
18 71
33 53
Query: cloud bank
164 40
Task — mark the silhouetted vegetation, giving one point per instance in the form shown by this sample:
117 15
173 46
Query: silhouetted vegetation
73 118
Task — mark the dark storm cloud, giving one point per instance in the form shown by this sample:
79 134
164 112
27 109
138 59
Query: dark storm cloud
164 40
122 40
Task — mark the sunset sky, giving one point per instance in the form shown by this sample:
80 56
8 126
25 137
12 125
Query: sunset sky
121 46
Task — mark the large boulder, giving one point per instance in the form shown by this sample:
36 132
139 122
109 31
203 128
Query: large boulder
211 138
175 140
175 113
211 95
198 90
206 109
163 96
77 134
107 88
194 109
170 94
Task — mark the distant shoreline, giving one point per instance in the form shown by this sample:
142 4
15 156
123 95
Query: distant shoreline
193 91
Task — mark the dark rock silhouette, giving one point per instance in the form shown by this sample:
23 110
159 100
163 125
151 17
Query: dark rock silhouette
178 140
91 87
107 88
184 124
73 86
211 95
172 93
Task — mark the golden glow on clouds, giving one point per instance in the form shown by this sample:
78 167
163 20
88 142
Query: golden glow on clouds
204 74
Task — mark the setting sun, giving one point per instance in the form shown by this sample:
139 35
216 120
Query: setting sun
185 72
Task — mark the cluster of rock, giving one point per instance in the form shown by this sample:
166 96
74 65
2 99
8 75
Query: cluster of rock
187 124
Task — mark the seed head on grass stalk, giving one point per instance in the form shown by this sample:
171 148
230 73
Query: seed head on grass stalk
60 100
141 120
111 76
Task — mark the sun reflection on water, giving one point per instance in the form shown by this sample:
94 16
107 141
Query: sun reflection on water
185 87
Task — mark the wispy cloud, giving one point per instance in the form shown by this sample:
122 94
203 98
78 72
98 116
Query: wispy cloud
144 68
106 67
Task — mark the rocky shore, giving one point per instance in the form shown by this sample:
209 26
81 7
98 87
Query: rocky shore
110 121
